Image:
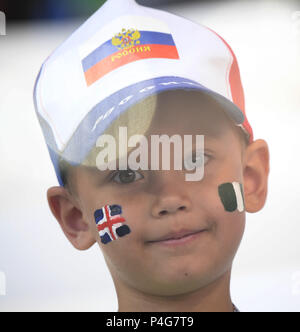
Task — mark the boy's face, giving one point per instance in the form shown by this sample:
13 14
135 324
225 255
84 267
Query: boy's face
157 203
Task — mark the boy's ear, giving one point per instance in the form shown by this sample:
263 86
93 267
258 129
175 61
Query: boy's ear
66 210
256 171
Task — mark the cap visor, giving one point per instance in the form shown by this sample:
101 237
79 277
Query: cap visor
107 111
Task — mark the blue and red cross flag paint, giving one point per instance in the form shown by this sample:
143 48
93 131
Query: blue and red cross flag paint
110 223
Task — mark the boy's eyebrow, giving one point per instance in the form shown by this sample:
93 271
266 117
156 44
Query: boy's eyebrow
214 131
215 134
95 171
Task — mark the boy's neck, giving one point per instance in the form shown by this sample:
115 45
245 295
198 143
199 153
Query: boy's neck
213 298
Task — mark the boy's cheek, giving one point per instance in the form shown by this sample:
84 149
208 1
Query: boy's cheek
222 205
230 213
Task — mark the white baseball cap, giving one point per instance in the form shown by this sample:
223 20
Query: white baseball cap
121 55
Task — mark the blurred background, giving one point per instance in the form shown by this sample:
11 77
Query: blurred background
63 9
39 269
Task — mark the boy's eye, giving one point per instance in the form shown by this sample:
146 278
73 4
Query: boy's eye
202 159
126 176
197 161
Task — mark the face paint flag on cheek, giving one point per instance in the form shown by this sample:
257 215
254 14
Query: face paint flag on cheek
110 223
232 196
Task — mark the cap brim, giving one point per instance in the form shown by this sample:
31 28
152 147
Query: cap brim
107 111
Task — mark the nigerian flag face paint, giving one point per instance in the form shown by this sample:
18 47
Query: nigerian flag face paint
232 196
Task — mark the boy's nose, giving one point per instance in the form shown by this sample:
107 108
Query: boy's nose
171 195
169 205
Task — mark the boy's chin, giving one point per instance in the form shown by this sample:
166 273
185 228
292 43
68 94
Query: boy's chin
181 286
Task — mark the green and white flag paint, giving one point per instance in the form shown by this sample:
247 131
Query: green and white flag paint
232 196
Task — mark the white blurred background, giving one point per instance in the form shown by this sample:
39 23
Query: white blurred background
41 271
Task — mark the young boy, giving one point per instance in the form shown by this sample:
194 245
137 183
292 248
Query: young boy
169 243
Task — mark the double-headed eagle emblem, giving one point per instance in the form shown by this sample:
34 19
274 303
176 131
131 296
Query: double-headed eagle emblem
126 39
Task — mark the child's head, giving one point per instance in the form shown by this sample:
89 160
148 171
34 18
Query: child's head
155 74
156 204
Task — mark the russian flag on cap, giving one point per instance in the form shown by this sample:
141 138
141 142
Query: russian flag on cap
147 39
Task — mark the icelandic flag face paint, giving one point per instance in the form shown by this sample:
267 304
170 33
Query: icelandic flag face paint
110 223
232 197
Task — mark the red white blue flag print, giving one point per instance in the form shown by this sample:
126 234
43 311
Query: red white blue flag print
110 223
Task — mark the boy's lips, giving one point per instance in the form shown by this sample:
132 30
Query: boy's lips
178 237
